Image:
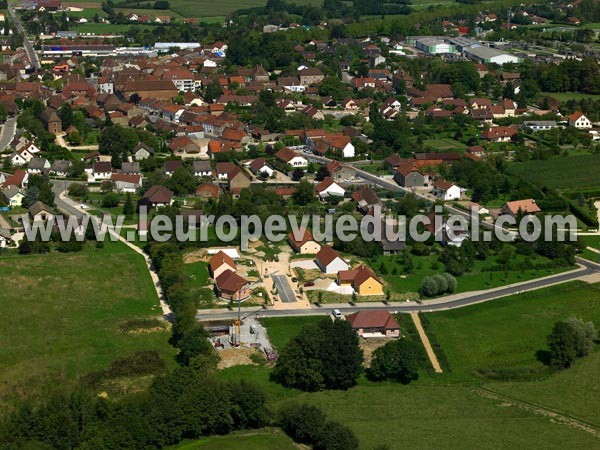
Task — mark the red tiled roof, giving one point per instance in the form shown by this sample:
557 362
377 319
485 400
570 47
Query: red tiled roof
373 319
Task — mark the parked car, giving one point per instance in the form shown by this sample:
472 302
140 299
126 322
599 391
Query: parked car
294 280
309 284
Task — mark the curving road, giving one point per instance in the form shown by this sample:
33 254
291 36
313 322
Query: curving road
452 302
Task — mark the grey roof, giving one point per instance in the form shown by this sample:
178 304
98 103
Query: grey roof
39 207
484 52
141 145
5 233
539 123
131 167
10 191
202 166
37 163
61 165
392 245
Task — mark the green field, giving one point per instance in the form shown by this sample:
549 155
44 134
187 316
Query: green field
444 144
475 279
449 410
506 333
271 439
61 316
191 8
563 173
565 96
103 28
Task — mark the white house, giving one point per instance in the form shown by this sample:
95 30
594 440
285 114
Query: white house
21 157
328 187
101 170
292 158
579 121
126 183
259 165
329 261
202 169
38 165
445 190
13 196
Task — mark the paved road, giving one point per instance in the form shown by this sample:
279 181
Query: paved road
589 268
286 293
8 132
33 58
392 186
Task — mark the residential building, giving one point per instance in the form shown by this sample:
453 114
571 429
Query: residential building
579 121
446 190
328 187
292 158
230 286
329 261
306 244
157 196
527 206
219 263
374 324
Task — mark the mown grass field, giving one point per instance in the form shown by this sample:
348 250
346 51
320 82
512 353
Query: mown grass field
61 316
563 173
281 331
268 439
444 144
505 334
447 411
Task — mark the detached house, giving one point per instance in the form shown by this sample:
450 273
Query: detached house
38 166
499 134
363 280
40 212
527 206
260 166
157 196
374 324
409 176
446 190
219 263
202 169
127 182
101 170
329 261
306 244
366 199
328 187
230 286
13 196
292 158
579 121
61 168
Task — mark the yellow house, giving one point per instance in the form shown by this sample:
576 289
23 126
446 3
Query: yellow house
366 282
363 280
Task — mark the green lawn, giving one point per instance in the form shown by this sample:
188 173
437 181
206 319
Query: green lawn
592 241
282 329
61 315
474 280
444 144
198 273
268 439
506 333
104 28
563 173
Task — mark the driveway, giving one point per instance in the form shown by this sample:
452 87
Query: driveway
307 264
286 293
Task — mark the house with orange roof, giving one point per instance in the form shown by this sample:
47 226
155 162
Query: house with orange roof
579 121
328 187
527 206
363 280
219 263
230 286
303 242
374 324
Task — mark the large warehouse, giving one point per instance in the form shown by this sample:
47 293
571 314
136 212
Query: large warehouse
487 55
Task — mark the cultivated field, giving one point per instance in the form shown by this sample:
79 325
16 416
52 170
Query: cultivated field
61 316
565 173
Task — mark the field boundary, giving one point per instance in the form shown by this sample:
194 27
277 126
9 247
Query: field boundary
555 415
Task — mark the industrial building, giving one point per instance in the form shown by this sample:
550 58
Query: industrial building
487 55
